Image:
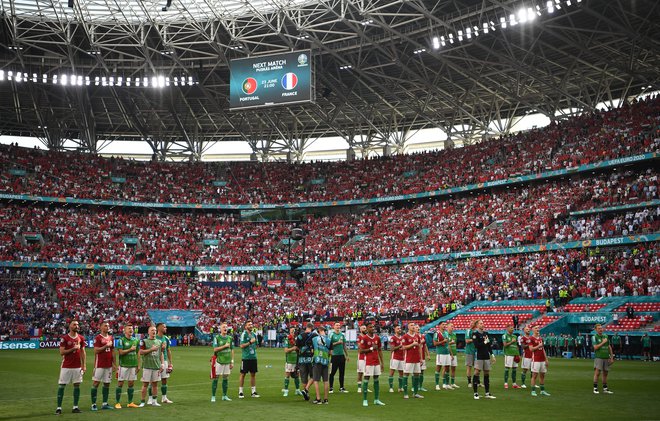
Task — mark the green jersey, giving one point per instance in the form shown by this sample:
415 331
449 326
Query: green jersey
646 342
510 350
339 348
604 351
579 340
250 351
469 347
321 352
223 356
616 340
166 340
442 349
452 346
152 359
290 357
130 359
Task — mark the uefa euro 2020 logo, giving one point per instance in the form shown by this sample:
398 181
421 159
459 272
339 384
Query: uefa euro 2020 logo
302 60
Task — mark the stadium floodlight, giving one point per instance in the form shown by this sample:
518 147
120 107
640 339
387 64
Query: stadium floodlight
475 30
484 27
64 80
190 81
104 81
550 7
568 2
167 81
468 32
451 38
137 81
161 81
54 79
79 81
44 78
34 77
18 78
522 15
154 82
111 81
531 14
120 81
96 81
557 5
512 20
87 81
436 43
503 22
128 81
2 75
145 82
460 35
176 80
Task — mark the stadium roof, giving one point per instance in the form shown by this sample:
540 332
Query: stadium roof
383 68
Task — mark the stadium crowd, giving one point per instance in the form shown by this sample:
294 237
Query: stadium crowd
624 131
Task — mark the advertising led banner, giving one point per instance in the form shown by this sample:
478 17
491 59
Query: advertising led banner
284 78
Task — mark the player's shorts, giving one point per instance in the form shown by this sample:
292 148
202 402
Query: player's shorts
509 362
469 360
249 366
646 349
164 374
483 365
103 375
127 374
150 375
539 367
526 363
443 360
305 372
360 365
454 361
396 364
290 368
70 375
414 368
372 370
222 369
320 372
602 364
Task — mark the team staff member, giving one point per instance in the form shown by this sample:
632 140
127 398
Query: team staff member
539 362
304 343
161 329
248 344
104 365
74 358
320 363
482 344
129 365
397 359
604 357
339 357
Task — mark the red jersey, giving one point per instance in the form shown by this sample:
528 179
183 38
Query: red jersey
422 341
361 356
538 355
412 354
72 360
366 342
399 354
103 359
525 341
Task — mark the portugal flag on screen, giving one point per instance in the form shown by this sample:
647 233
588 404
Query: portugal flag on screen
289 81
249 85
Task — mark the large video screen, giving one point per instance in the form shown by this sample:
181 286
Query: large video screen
271 80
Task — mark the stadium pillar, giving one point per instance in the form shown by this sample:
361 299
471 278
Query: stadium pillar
449 143
350 154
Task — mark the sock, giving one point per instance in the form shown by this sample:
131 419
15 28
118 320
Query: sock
522 377
365 387
106 393
154 399
437 378
296 381
475 383
254 389
453 380
513 375
376 389
405 385
604 386
415 384
118 394
225 386
390 380
130 394
60 395
595 385
94 392
421 380
487 383
214 387
506 375
286 383
76 396
240 390
401 382
469 380
163 390
542 387
445 380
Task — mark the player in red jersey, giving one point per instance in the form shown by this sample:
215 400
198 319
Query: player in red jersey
74 359
361 359
369 345
104 365
539 361
525 341
413 359
426 355
397 358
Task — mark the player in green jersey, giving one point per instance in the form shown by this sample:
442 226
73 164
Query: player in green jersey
443 357
452 352
291 362
153 364
339 356
248 344
604 357
511 356
646 347
161 330
469 352
129 365
223 361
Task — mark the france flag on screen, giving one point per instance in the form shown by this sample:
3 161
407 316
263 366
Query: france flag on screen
289 81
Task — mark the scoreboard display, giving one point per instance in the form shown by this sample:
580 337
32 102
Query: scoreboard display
270 80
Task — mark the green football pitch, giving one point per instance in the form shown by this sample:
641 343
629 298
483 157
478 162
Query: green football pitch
28 383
